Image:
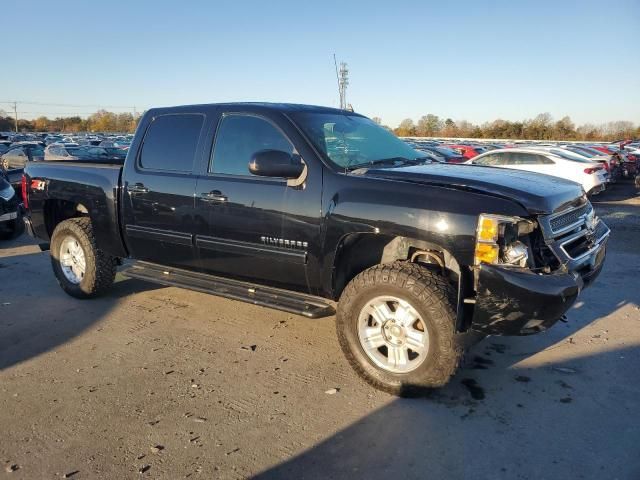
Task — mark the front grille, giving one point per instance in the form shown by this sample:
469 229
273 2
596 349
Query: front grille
571 235
579 246
565 220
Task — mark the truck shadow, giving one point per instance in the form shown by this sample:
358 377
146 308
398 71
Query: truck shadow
511 412
35 321
553 421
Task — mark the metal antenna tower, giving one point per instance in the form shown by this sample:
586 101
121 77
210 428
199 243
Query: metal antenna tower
344 81
342 76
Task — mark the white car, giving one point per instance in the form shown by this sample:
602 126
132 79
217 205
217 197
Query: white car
581 156
632 150
591 175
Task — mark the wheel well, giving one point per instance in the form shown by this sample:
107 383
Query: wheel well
359 251
56 211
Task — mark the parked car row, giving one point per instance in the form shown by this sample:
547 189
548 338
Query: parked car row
591 165
47 138
591 175
18 149
11 224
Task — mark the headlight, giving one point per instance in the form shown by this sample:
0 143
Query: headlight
516 254
497 240
7 193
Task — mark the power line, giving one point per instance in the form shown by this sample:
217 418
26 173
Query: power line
21 112
130 107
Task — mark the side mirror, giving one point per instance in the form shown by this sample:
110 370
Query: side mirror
276 163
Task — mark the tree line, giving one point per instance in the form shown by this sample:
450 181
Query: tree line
101 121
541 127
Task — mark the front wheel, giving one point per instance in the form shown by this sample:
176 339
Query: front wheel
396 326
82 270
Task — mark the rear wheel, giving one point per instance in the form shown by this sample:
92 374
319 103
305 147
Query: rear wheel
396 326
82 270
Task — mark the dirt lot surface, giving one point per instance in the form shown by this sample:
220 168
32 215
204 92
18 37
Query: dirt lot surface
168 383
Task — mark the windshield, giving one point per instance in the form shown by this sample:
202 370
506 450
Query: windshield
36 151
596 153
574 157
352 141
580 151
77 151
447 152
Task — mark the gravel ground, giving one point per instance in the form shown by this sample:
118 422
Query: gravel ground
168 383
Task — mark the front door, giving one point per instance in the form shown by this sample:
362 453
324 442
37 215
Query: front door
159 186
254 228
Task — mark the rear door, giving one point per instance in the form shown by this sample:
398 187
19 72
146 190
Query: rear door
159 185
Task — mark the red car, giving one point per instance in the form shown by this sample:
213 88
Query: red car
604 150
466 151
627 161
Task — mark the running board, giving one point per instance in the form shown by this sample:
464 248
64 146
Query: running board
293 302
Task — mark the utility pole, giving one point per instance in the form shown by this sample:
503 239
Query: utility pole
15 111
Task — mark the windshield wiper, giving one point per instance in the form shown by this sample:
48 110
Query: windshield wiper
393 161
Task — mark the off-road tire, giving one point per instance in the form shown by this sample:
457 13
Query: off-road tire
100 266
434 299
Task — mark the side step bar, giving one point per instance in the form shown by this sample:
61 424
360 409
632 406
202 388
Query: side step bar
293 302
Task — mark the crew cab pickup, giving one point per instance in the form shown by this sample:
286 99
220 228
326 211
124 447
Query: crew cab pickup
299 207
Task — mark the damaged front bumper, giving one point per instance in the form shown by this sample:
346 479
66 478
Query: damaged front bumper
517 301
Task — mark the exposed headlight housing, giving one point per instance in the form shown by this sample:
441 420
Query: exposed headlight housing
516 253
7 193
497 240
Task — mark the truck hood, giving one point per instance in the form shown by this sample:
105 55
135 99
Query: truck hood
539 194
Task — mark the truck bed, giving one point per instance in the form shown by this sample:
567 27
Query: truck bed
94 185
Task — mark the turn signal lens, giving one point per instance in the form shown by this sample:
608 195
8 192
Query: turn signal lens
488 229
486 253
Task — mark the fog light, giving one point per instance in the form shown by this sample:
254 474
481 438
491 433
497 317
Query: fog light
516 254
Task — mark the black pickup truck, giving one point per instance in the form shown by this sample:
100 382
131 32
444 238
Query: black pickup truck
295 207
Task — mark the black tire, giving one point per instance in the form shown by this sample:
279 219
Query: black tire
100 271
432 297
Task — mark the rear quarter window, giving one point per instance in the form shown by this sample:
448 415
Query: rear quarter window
170 142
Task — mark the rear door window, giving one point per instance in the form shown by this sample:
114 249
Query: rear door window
171 141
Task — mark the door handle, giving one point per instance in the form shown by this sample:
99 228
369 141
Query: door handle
214 196
137 188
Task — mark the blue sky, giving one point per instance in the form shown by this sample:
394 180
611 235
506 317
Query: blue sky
468 60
